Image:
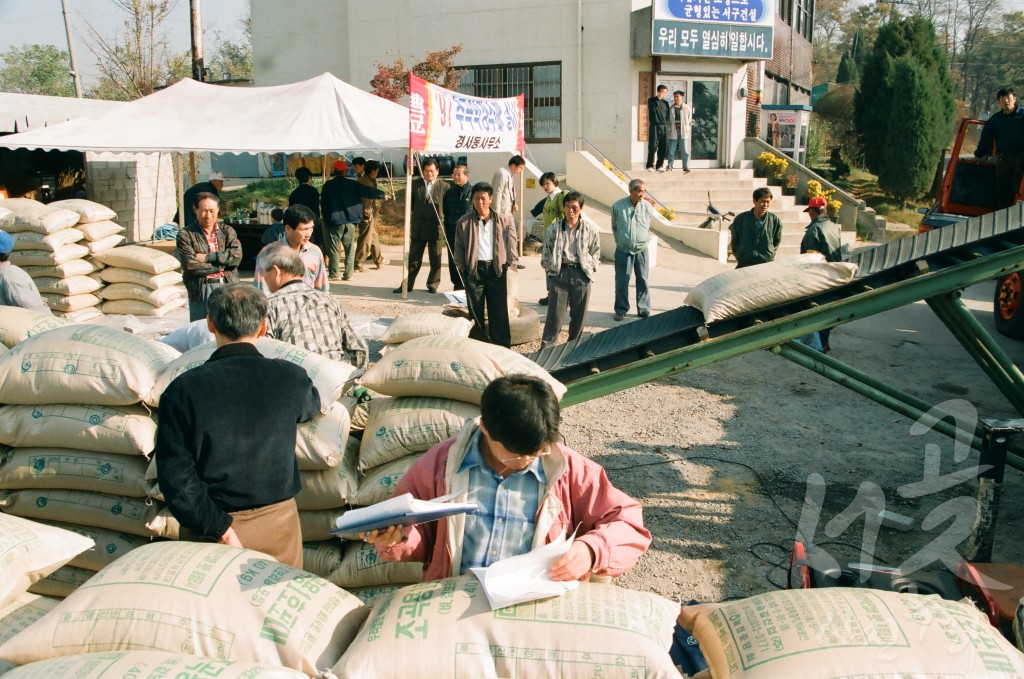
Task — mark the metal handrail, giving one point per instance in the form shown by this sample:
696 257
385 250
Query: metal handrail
604 157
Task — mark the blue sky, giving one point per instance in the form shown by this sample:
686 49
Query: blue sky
24 22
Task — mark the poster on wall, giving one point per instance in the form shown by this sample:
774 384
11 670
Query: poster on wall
780 128
736 29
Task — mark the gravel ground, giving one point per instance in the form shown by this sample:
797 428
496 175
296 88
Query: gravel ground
720 456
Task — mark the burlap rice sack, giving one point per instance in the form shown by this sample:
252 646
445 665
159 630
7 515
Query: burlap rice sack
70 303
739 291
451 631
411 326
316 524
91 364
141 293
59 255
30 550
208 599
43 219
81 315
139 258
100 230
73 470
108 545
29 240
104 244
132 307
458 368
115 274
73 267
149 665
361 567
330 488
114 512
75 285
379 483
87 210
62 582
329 377
321 557
17 324
849 632
322 442
404 425
125 430
18 614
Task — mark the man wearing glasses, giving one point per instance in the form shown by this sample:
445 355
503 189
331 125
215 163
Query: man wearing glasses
530 489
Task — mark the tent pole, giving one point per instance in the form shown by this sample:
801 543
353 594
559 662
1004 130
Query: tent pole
522 211
408 225
180 167
156 192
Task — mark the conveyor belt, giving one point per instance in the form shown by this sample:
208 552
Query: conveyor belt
889 276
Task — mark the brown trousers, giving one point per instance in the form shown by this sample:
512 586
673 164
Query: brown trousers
273 530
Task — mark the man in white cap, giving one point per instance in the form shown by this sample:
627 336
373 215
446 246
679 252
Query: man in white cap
213 184
16 287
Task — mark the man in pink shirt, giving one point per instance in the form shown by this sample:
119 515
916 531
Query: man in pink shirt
530 490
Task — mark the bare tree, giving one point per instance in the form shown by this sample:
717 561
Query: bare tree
137 60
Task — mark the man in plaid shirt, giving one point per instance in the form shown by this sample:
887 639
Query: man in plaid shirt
308 318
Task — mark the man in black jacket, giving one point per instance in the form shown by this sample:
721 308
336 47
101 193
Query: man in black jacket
225 447
458 200
1003 137
425 226
306 194
341 202
657 134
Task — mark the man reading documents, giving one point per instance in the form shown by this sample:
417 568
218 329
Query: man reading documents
530 489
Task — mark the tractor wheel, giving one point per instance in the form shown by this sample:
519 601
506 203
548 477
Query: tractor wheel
1007 307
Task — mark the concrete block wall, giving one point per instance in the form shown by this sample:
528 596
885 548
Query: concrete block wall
139 187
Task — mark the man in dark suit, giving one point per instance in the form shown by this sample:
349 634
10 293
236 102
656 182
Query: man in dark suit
458 200
425 226
657 134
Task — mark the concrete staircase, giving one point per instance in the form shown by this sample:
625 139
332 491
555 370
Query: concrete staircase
731 189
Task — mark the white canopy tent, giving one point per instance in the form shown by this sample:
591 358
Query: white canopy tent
319 115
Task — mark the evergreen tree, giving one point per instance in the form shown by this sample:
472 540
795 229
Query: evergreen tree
914 137
878 103
846 66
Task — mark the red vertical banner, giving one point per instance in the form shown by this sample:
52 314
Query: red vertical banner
419 112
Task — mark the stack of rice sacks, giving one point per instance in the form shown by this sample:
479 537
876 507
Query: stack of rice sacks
141 281
55 245
78 435
429 383
326 457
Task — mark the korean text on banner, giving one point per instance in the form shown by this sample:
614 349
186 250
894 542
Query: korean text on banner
442 120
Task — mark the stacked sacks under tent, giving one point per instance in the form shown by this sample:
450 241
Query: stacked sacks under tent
141 281
326 457
52 248
76 438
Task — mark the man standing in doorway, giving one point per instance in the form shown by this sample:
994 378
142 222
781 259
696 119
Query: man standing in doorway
681 118
756 233
209 251
458 200
657 132
485 248
1003 136
425 226
342 207
631 226
505 186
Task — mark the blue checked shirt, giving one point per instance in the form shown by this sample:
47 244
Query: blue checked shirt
504 523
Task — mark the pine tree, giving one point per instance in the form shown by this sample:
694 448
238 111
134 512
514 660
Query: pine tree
846 67
915 136
878 103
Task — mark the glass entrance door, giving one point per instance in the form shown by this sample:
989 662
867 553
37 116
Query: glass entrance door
707 112
704 95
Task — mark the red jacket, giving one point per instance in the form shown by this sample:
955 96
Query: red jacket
578 493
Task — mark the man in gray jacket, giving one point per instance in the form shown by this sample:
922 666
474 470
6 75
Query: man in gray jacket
631 226
572 253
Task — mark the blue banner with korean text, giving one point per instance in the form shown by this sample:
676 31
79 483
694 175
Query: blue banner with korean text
736 29
712 40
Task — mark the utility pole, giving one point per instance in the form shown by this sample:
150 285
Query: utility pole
195 19
75 75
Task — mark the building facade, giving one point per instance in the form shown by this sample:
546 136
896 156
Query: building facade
586 67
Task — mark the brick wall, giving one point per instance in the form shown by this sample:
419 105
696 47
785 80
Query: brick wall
138 187
799 53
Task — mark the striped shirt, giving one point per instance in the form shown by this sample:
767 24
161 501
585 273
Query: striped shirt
314 321
313 259
504 523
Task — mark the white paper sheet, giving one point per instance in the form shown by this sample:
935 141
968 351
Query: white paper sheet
523 578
